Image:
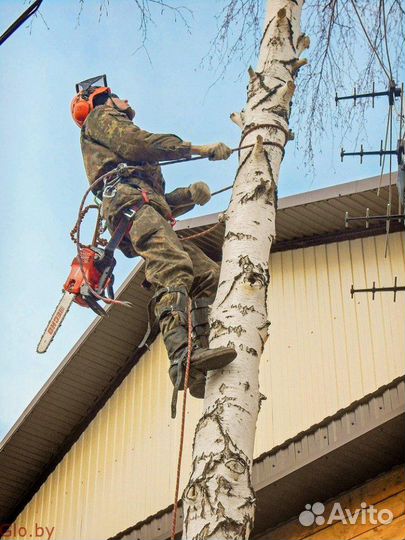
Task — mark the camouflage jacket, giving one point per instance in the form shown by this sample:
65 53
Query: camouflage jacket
108 138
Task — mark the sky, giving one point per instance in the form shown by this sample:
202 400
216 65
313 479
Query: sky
43 179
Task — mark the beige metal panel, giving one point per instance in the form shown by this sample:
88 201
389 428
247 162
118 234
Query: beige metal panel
325 350
123 466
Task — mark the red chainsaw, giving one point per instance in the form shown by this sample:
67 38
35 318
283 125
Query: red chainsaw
91 277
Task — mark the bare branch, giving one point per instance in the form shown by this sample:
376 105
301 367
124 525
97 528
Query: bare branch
146 14
354 43
238 35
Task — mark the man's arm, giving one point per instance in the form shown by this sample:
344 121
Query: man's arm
115 131
182 200
213 152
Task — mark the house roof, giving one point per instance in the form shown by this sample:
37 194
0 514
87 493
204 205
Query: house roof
108 350
355 444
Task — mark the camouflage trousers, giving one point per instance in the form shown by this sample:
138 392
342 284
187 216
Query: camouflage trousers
168 261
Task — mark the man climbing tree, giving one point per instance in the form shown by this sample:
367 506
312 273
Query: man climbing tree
177 271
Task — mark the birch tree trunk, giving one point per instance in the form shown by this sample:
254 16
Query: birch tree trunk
219 501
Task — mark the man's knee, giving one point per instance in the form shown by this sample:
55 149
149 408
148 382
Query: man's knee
212 279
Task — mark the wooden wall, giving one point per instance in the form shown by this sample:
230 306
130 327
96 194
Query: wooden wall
386 491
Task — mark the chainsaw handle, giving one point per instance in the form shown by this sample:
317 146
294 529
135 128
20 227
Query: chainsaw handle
105 265
110 288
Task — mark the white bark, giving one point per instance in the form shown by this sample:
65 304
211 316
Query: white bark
219 500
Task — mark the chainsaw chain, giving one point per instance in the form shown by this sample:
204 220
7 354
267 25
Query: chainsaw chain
97 240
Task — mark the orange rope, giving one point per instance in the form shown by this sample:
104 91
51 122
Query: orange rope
202 233
183 420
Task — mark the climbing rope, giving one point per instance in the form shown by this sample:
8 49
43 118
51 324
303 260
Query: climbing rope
183 420
237 149
202 233
97 240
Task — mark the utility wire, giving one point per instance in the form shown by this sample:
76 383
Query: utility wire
386 39
369 40
21 20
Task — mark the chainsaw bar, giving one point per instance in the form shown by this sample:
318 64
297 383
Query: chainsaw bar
56 321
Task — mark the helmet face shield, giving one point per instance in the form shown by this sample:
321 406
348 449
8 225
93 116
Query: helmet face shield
83 103
95 82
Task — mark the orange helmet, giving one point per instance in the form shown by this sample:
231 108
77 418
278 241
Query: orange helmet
83 102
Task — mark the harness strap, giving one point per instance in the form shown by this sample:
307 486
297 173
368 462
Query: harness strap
124 225
153 321
181 369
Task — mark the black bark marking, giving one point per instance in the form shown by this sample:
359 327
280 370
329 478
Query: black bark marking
254 274
262 398
269 168
290 34
239 236
262 190
278 110
274 126
267 96
243 162
243 309
238 330
275 197
266 325
263 84
218 327
230 289
265 30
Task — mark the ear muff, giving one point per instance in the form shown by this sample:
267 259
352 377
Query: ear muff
80 110
82 105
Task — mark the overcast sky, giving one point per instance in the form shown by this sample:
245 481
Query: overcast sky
42 173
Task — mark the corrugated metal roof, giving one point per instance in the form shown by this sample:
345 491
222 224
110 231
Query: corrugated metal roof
355 444
107 351
313 217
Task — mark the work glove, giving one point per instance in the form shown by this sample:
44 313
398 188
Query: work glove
200 193
215 151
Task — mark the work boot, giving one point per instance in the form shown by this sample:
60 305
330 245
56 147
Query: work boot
171 311
201 330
